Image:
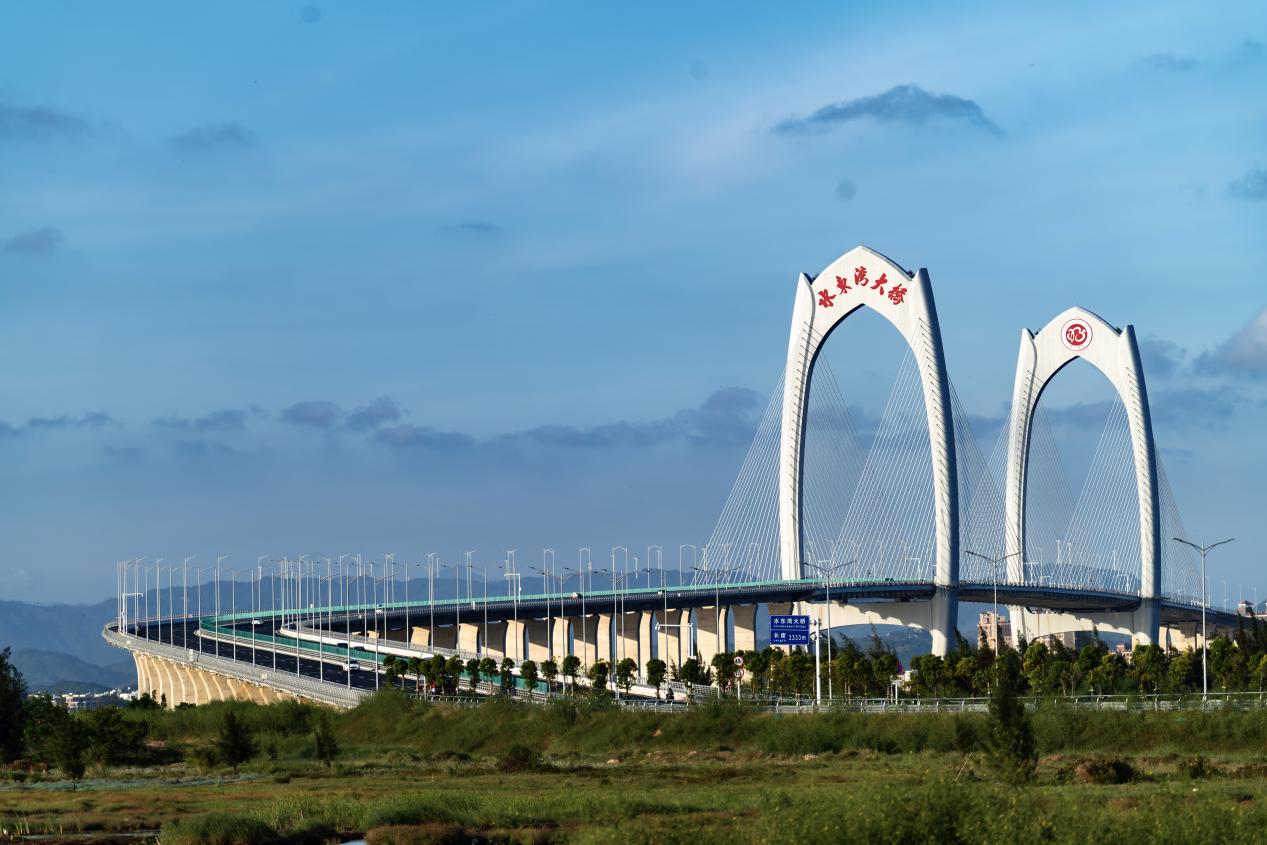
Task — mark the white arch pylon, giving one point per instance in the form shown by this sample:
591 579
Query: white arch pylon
1078 333
863 277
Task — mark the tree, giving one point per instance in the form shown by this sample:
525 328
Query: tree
67 746
626 671
723 668
1035 666
598 672
144 701
434 671
1227 663
507 675
572 668
1182 669
12 714
453 670
112 738
691 672
392 668
327 747
488 669
885 667
1011 734
473 672
417 668
528 672
549 671
931 674
1259 674
1103 678
236 744
1148 664
655 673
40 715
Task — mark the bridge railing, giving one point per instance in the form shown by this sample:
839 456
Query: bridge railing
296 685
324 647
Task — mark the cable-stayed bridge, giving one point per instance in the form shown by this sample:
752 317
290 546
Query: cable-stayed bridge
892 523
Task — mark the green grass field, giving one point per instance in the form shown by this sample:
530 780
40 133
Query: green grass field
411 773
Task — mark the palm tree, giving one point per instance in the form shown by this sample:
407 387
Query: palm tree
473 672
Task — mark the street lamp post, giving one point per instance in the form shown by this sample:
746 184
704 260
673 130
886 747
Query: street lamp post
994 565
721 635
1205 651
830 571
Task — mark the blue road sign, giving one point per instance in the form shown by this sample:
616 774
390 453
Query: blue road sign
789 630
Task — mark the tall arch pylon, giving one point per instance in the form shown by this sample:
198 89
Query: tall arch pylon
865 278
1078 333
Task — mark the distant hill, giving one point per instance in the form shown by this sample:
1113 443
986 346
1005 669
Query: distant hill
72 629
55 671
905 642
59 648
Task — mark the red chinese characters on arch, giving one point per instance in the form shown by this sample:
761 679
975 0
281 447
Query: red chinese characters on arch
894 292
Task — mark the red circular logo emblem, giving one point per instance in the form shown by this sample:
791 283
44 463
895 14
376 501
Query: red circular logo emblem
1076 335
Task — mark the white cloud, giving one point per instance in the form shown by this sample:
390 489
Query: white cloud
1244 352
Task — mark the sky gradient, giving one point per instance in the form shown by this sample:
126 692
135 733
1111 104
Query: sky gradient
302 278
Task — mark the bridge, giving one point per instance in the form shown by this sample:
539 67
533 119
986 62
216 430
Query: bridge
897 530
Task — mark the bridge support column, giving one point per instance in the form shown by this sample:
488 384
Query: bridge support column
538 640
945 619
626 636
515 639
585 638
420 635
495 643
603 637
710 632
205 696
669 635
1147 622
560 641
745 616
469 636
1183 636
644 641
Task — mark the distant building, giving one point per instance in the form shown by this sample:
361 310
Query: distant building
987 628
93 700
1068 639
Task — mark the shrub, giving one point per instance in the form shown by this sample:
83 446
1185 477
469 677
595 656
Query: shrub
217 829
423 834
204 757
519 758
1109 770
1198 767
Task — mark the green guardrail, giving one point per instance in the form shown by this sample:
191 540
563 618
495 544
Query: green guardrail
289 643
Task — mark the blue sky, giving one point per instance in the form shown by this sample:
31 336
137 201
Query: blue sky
283 278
